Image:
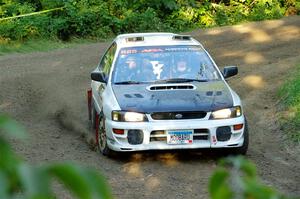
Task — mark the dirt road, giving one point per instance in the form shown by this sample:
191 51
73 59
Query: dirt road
46 92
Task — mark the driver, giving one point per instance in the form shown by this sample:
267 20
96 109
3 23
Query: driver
132 71
182 68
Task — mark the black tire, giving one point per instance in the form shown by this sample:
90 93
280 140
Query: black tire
102 141
243 149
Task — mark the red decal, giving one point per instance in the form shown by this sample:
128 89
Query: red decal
152 50
214 140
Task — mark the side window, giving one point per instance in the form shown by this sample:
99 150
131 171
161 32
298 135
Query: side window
107 59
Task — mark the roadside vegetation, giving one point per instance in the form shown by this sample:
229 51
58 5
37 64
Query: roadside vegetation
290 95
19 179
96 19
33 45
235 177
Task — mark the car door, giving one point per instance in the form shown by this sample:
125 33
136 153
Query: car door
105 67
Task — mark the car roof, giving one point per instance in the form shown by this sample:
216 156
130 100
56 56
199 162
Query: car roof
154 39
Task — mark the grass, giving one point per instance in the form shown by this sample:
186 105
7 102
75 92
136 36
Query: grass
37 45
290 95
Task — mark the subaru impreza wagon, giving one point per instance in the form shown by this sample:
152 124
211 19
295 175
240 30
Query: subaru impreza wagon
163 91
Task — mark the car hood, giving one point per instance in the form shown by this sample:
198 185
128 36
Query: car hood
198 96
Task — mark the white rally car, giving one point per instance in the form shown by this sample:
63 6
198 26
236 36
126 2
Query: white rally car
163 91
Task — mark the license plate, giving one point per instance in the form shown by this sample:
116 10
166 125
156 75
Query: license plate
180 137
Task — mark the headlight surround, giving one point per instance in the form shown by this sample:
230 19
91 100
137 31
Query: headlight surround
127 116
226 113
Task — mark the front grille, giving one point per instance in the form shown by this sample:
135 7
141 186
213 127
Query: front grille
159 135
200 134
159 139
178 115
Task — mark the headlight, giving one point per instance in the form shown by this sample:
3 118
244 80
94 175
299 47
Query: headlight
124 116
226 113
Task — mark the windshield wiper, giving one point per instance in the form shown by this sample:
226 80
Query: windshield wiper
180 80
128 82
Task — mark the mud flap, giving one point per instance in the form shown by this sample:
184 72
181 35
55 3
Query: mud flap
97 128
89 100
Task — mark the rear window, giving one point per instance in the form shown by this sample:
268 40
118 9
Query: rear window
152 63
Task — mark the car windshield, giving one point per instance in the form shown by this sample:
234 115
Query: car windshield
159 64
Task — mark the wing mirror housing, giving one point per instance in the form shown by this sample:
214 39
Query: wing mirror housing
98 76
230 71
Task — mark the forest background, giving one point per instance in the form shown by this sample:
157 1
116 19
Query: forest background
101 19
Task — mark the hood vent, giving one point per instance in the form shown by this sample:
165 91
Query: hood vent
171 87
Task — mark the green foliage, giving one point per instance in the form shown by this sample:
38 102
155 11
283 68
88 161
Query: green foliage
218 187
19 179
13 8
290 95
267 9
99 18
139 22
236 178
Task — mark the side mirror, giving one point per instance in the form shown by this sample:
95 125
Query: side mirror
230 71
98 76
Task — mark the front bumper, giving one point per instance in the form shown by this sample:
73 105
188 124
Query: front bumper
205 135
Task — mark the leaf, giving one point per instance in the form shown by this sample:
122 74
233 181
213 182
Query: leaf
72 177
3 186
98 184
218 186
255 189
248 168
240 163
84 183
8 159
11 127
34 181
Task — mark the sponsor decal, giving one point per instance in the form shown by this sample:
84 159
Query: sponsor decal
214 139
128 51
157 68
135 50
152 50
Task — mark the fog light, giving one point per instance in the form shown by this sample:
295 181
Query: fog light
238 126
223 133
135 137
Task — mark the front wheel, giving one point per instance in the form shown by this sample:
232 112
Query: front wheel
102 138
